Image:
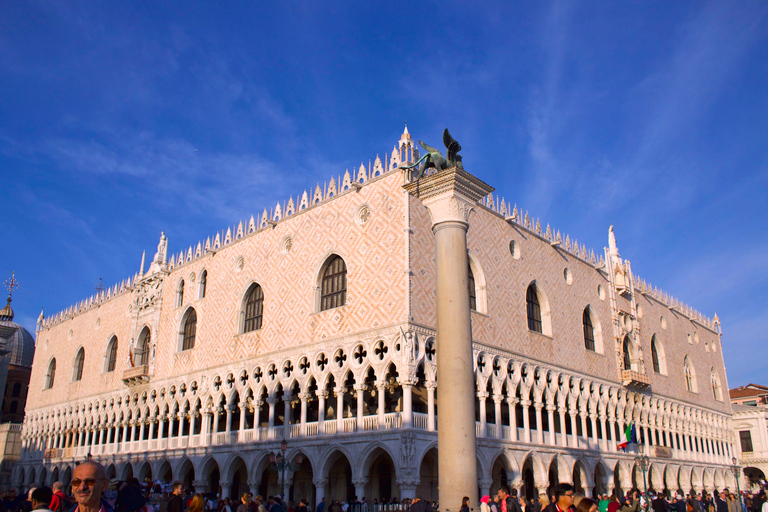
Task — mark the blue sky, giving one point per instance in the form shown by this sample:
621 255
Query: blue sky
121 120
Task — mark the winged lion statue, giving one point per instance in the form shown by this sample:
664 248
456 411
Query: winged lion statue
434 159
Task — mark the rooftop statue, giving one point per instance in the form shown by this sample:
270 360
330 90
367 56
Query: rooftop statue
433 158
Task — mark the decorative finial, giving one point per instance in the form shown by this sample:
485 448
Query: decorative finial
11 284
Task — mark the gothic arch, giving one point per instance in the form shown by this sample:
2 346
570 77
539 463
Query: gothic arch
481 296
328 459
369 455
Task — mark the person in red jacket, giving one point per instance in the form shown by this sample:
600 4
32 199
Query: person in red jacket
58 496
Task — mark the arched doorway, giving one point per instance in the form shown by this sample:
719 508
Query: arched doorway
127 471
601 480
239 481
340 478
186 475
579 478
66 480
553 476
753 475
499 474
381 478
165 474
269 484
529 483
145 472
428 476
302 486
212 474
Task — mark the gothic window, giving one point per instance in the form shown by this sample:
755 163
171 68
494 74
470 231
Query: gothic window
254 308
142 358
690 376
655 356
333 288
626 353
589 330
49 378
16 390
190 330
203 283
112 354
533 309
180 294
472 292
79 362
717 392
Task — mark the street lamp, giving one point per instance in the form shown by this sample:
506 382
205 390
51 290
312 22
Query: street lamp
279 464
737 473
643 462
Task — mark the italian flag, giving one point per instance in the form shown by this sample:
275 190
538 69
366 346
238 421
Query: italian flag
626 436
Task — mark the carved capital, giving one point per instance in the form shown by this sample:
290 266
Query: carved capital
449 195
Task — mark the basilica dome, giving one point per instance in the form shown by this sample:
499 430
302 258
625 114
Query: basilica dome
18 341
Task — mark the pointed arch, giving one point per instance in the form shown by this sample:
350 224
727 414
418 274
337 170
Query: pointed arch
332 283
110 359
538 310
50 377
187 330
690 376
252 309
478 300
77 366
145 339
593 330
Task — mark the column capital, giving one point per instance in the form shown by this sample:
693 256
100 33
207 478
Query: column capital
482 395
449 195
272 400
321 393
359 481
304 396
340 390
360 387
320 482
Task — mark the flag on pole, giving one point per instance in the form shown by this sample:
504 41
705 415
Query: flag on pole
627 437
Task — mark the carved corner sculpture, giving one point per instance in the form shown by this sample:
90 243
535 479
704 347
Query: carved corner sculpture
434 159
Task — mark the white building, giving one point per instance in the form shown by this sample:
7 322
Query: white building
314 322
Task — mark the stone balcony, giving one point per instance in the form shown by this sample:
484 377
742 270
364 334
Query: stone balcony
634 379
136 375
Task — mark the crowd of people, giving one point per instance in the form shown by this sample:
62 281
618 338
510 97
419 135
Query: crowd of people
564 499
93 491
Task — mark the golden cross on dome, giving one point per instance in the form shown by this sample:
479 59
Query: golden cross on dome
11 284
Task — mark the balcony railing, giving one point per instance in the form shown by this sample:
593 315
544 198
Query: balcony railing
136 375
633 378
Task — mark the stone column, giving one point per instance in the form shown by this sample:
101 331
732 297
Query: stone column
381 388
512 403
321 396
360 390
551 421
485 486
206 430
228 425
407 386
497 399
201 486
481 398
359 484
593 421
431 406
303 397
339 408
272 400
225 486
408 486
215 429
574 431
243 410
526 420
287 397
450 195
192 424
320 485
256 417
539 426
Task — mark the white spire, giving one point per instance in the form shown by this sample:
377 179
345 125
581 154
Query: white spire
612 242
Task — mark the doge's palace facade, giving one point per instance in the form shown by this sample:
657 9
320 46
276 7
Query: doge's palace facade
315 323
